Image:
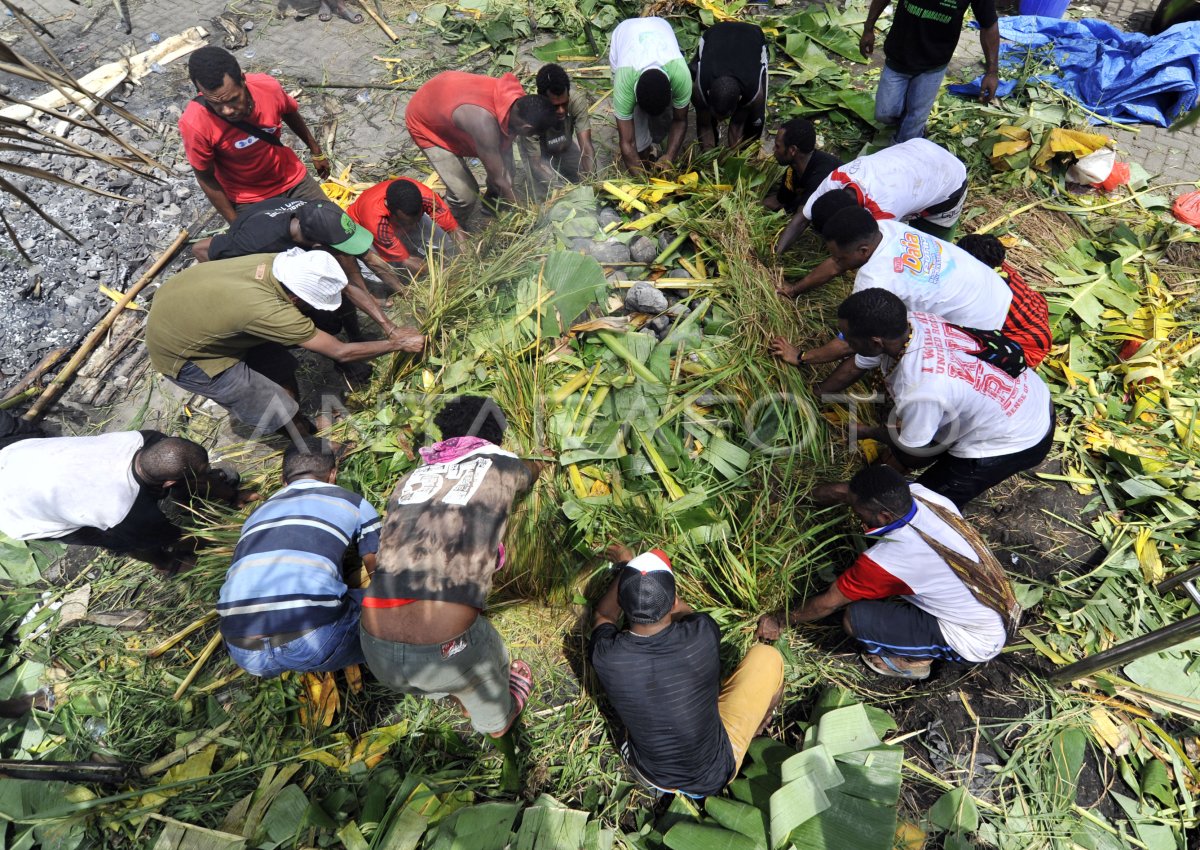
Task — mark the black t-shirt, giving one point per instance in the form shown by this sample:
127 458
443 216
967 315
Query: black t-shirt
262 228
793 191
924 33
665 689
731 49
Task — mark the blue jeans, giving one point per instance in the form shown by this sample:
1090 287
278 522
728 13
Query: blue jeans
906 99
326 648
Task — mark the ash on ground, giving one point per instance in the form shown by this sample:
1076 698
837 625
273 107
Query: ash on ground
56 300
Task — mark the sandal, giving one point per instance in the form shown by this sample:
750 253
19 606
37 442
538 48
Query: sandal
520 683
889 668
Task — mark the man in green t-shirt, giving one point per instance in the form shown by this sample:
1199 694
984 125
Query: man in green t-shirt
222 329
651 83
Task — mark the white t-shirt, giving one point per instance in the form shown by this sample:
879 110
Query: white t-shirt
900 181
932 276
52 486
947 395
642 43
902 564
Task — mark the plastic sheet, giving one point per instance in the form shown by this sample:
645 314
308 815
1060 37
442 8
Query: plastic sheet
1128 78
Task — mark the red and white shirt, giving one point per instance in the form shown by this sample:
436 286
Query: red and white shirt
898 182
370 210
248 169
944 393
902 564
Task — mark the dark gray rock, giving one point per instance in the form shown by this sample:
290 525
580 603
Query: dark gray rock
645 298
609 216
643 250
610 252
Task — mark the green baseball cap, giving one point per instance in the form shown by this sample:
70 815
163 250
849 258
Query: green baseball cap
324 223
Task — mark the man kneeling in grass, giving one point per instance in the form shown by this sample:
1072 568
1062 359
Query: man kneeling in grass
284 604
955 602
687 731
423 630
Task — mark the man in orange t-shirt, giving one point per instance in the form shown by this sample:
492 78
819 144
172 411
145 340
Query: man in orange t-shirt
456 116
231 135
406 218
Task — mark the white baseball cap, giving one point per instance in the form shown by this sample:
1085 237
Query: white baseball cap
312 276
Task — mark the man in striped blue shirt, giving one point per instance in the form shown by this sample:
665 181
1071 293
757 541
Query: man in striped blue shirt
284 604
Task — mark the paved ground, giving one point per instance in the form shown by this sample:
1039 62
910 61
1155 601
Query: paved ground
1174 156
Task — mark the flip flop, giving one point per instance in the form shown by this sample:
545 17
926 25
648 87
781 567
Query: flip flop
520 683
891 670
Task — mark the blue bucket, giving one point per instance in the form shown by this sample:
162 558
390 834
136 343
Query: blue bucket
1045 8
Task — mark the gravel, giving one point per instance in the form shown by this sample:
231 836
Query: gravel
643 250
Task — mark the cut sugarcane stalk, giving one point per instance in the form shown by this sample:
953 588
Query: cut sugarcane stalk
674 491
670 250
178 636
618 348
564 392
624 197
205 654
577 484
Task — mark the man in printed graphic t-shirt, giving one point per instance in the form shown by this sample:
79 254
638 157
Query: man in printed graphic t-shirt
405 219
928 275
905 601
917 182
919 46
977 424
423 631
231 136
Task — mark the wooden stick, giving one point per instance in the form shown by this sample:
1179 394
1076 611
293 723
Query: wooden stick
93 339
43 366
205 654
186 751
180 635
383 25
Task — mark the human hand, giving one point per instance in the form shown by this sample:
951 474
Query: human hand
769 628
830 493
618 553
784 350
987 88
407 340
866 44
787 290
320 162
246 497
662 164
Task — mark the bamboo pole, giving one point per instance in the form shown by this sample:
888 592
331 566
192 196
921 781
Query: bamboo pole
31 377
93 339
383 25
205 654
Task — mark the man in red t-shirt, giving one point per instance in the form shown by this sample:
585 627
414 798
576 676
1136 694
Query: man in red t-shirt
406 218
456 116
231 136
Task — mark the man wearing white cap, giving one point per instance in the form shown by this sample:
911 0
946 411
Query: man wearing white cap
222 329
687 731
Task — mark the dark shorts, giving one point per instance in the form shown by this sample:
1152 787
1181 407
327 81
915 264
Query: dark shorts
253 390
307 189
961 479
894 627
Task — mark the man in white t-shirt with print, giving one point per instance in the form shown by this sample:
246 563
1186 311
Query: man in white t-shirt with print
915 181
977 424
651 80
905 604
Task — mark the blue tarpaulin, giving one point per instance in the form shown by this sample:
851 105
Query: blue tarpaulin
1126 77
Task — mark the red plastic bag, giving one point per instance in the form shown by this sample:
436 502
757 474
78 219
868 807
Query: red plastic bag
1187 208
1118 177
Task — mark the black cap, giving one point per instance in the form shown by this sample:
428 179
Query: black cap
646 589
324 223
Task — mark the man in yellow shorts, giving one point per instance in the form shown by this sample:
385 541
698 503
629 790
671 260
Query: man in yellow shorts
687 731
